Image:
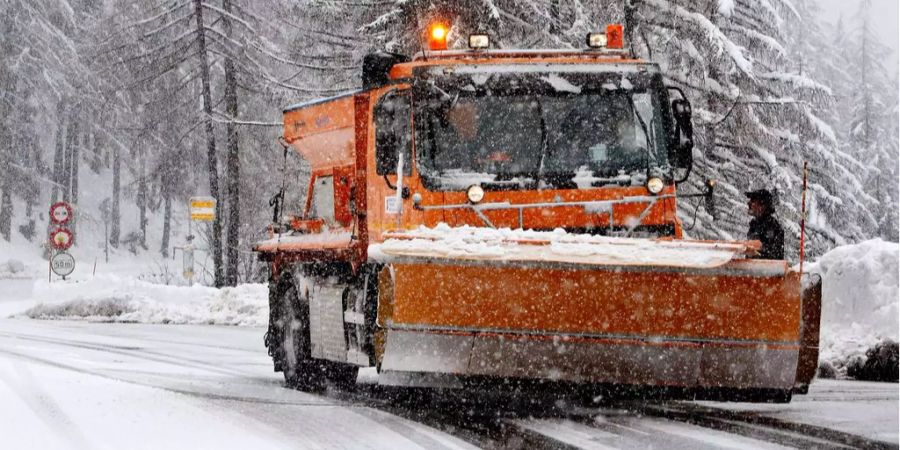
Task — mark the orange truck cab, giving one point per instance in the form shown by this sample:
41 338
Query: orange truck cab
493 215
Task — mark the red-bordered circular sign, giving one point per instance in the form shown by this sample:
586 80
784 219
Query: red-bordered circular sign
61 238
60 213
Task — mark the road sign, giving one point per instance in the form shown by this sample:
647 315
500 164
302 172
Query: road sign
203 209
61 238
62 264
60 213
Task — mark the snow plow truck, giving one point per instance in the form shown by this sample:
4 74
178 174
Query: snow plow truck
485 215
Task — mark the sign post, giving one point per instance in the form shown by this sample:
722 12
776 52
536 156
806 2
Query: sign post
61 239
200 209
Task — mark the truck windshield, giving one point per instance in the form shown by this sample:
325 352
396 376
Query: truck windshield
519 129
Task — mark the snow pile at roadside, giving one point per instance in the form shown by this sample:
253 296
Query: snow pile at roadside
12 269
859 299
111 298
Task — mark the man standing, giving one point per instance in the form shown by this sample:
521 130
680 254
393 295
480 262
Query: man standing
764 227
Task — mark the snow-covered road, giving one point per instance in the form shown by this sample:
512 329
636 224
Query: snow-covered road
101 385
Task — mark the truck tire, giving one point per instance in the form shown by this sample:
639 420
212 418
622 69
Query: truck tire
301 370
343 376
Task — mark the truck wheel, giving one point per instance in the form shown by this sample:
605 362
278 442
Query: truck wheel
342 375
300 370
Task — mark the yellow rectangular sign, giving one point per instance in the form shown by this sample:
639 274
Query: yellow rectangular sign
203 209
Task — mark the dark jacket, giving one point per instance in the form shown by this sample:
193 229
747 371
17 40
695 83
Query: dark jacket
767 230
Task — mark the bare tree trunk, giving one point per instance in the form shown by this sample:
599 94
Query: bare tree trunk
232 177
554 17
142 199
73 176
115 215
6 207
167 220
28 230
210 144
6 181
58 156
71 134
96 146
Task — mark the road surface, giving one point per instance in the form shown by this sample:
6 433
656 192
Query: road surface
102 385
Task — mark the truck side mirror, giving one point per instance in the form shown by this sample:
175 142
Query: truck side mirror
377 66
393 133
684 133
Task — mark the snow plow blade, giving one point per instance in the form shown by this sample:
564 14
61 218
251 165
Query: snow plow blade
587 309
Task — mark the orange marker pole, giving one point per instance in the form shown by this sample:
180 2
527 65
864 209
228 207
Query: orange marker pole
803 215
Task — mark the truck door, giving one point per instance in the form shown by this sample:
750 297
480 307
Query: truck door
393 153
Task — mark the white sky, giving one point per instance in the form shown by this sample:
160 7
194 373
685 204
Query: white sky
885 19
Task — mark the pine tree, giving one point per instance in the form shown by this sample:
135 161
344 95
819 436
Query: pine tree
870 120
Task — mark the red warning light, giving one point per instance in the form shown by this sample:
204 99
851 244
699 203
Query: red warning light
615 37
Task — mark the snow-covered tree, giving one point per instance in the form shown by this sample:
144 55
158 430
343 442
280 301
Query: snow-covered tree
871 120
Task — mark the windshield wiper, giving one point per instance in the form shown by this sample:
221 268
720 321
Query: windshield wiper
637 115
544 145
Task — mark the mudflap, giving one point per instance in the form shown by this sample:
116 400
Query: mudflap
809 335
272 338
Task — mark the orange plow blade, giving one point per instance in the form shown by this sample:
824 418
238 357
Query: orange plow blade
588 309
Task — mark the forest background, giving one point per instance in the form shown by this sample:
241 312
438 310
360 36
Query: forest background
127 108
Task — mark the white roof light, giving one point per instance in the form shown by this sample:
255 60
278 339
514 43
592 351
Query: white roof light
479 41
596 40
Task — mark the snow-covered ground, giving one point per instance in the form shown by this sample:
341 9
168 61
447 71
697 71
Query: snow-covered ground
88 385
84 384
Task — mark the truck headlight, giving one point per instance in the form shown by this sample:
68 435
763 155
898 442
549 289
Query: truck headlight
655 185
475 193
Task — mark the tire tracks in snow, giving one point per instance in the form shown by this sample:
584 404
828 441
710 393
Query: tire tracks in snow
132 351
44 407
135 352
483 431
454 413
392 422
759 426
475 421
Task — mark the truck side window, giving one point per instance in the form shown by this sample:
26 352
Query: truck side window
392 133
323 199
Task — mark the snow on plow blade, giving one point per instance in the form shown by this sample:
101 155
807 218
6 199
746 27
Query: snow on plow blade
587 309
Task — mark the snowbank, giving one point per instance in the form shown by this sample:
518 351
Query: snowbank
12 269
859 299
124 299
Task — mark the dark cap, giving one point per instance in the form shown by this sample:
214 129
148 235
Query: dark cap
762 195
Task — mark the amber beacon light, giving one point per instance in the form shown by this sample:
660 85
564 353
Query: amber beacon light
437 36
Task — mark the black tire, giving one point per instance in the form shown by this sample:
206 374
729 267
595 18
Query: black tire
343 376
300 370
